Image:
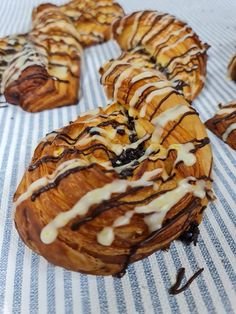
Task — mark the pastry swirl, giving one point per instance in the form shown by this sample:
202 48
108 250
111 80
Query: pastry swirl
171 44
115 186
223 124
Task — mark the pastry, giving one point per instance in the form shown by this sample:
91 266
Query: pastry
45 73
9 46
172 45
41 70
116 185
223 124
232 68
92 19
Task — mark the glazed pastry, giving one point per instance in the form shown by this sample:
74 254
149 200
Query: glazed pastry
45 73
116 185
223 124
9 46
93 19
41 69
232 68
171 44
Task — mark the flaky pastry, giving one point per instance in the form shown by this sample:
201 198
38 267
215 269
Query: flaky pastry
223 124
232 68
41 70
118 183
45 73
172 45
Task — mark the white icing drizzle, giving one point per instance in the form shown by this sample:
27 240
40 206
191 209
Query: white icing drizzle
184 60
159 207
106 236
226 111
111 68
230 129
170 33
69 164
50 231
22 60
159 92
134 29
143 75
111 133
180 40
161 23
184 153
116 148
166 116
143 111
141 89
124 75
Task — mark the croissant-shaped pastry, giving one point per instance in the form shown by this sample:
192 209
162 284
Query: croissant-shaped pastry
45 73
116 185
93 19
223 124
171 44
232 68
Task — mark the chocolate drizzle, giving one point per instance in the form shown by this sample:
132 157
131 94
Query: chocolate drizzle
152 236
191 234
55 183
175 288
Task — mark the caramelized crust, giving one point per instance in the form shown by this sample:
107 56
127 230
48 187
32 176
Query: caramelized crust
223 124
46 72
232 68
93 19
171 44
114 186
41 70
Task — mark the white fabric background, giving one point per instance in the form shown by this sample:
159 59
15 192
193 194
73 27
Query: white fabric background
28 284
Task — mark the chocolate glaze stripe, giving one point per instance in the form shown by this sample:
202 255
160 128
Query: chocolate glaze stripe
58 179
51 158
176 124
170 21
175 288
226 117
152 236
117 201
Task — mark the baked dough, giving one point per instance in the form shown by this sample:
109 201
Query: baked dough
93 19
114 186
45 73
223 124
41 70
171 44
232 68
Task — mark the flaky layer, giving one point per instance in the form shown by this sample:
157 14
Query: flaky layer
223 124
116 185
172 45
45 73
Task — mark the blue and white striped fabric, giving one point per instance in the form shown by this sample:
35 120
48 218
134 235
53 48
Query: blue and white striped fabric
28 284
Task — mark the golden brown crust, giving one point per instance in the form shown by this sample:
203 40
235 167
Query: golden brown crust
173 46
45 74
91 139
223 124
93 19
232 68
50 76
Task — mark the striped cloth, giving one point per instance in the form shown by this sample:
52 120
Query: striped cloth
28 284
